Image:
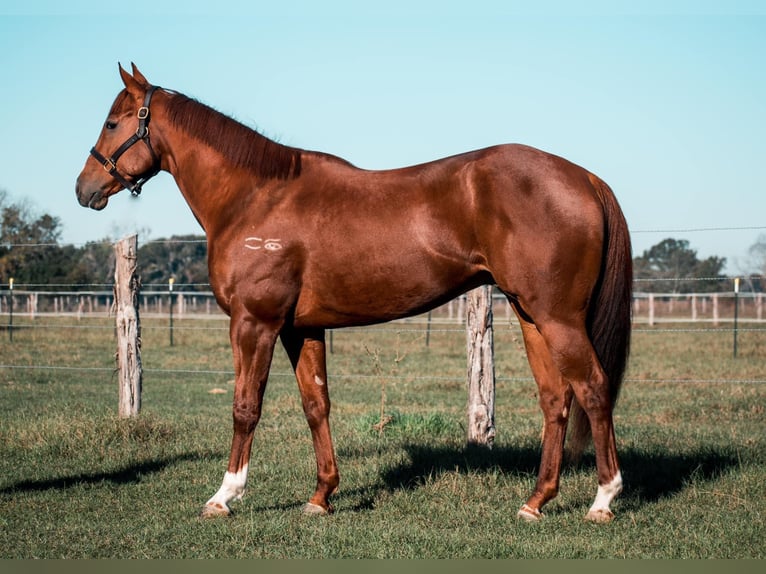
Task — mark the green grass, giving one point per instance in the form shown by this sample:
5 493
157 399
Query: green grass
77 482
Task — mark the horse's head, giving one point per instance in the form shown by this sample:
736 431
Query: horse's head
127 124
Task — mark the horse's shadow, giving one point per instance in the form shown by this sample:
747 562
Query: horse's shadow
647 477
130 474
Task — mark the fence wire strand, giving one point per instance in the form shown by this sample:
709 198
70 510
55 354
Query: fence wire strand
416 326
367 376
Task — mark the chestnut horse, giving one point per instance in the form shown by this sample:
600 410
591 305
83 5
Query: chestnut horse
300 242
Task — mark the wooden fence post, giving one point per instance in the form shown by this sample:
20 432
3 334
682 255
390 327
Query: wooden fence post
127 285
694 307
481 367
715 309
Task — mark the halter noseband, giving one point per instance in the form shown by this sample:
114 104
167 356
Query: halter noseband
142 133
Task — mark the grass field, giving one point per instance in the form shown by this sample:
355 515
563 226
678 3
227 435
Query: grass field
76 482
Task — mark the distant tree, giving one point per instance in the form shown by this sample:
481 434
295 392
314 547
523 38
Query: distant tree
29 250
672 266
184 258
757 255
756 279
30 253
93 264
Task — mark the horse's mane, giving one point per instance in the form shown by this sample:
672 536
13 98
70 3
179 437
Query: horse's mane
243 146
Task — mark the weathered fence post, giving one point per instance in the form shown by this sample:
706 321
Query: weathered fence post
715 309
126 291
736 313
481 367
10 307
694 307
170 298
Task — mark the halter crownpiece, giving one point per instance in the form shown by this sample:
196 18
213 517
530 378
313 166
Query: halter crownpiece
142 134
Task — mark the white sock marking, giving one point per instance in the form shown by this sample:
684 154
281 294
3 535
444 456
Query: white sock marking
233 486
606 493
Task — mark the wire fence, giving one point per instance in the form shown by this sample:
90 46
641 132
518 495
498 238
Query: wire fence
188 300
72 308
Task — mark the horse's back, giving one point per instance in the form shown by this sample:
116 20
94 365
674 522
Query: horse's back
380 245
530 206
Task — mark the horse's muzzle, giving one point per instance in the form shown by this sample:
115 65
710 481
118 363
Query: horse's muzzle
94 199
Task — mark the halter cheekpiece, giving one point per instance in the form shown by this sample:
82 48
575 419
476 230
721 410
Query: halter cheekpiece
142 134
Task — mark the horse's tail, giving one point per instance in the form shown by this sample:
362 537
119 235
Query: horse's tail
609 318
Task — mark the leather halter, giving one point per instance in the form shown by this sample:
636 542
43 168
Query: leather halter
142 134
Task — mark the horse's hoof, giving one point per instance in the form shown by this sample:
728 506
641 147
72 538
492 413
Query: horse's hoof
315 509
600 515
529 514
214 511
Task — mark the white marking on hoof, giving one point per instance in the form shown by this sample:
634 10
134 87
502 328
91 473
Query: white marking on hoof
232 488
311 508
318 380
529 514
599 511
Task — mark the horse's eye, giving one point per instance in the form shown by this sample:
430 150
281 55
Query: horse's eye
110 125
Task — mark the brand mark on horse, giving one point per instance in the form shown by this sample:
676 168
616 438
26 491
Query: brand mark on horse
256 243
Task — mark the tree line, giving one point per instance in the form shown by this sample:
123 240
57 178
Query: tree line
32 254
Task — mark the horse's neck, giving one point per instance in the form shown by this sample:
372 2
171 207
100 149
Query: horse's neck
199 174
216 177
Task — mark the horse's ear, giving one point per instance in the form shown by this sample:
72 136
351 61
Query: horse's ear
131 84
138 75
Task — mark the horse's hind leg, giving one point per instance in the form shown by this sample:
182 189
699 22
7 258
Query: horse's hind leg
570 350
308 356
555 395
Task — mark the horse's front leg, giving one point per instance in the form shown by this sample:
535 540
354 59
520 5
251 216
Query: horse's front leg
306 350
253 346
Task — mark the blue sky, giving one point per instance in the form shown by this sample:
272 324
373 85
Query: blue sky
664 100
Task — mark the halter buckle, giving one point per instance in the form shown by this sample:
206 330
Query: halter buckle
109 165
143 113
